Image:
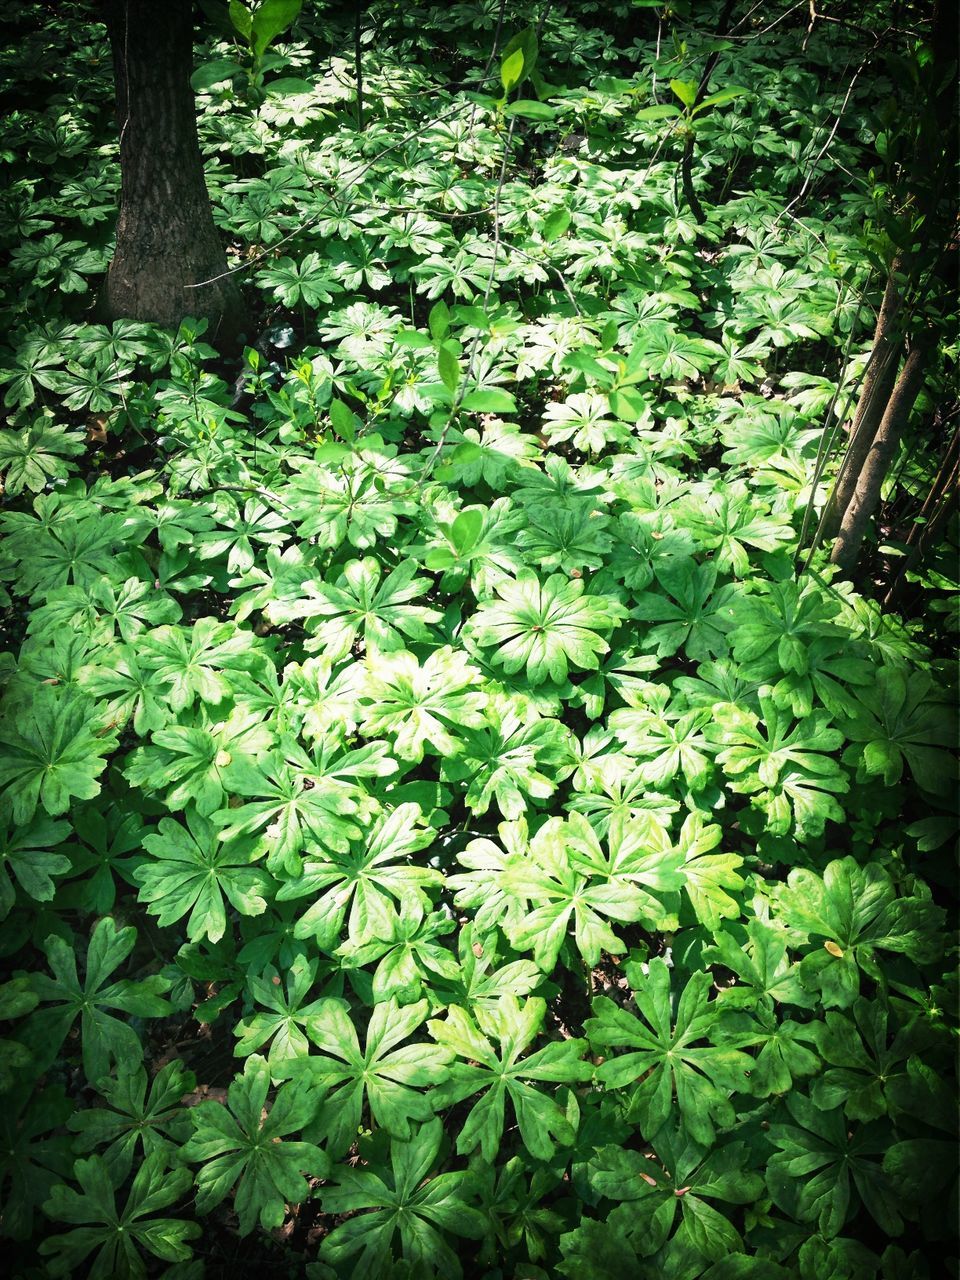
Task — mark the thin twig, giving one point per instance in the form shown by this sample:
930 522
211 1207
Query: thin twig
812 168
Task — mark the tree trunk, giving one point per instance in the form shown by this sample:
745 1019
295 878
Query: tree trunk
877 386
166 237
936 510
869 480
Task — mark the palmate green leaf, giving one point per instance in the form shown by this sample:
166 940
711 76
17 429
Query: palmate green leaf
620 795
510 761
119 1235
34 1154
785 1048
801 799
740 362
32 457
402 1200
785 637
34 367
135 1115
669 354
516 1205
104 1038
192 870
355 503
901 718
667 742
358 886
127 690
57 664
495 455
780 620
784 1052
196 662
244 1151
821 1165
479 980
287 1013
409 956
507 1075
308 282
600 1250
240 529
387 1074
848 915
110 845
710 880
564 883
326 694
27 858
359 603
187 761
866 1060
545 628
584 418
482 888
564 538
422 706
676 1179
304 797
96 389
52 751
665 1056
785 762
105 609
639 854
692 615
730 521
758 957
77 552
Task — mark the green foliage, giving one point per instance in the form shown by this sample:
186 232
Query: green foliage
399 1201
700 1082
118 1235
242 1151
104 1037
137 1116
435 709
193 871
545 628
51 754
386 1076
505 1076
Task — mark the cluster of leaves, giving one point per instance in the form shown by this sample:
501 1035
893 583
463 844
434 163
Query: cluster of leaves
437 722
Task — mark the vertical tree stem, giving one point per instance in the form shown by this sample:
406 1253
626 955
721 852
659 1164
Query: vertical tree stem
878 383
358 63
866 494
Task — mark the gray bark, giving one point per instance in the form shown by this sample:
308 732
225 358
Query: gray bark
166 237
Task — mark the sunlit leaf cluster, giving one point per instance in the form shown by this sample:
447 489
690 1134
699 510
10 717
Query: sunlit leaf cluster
446 827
